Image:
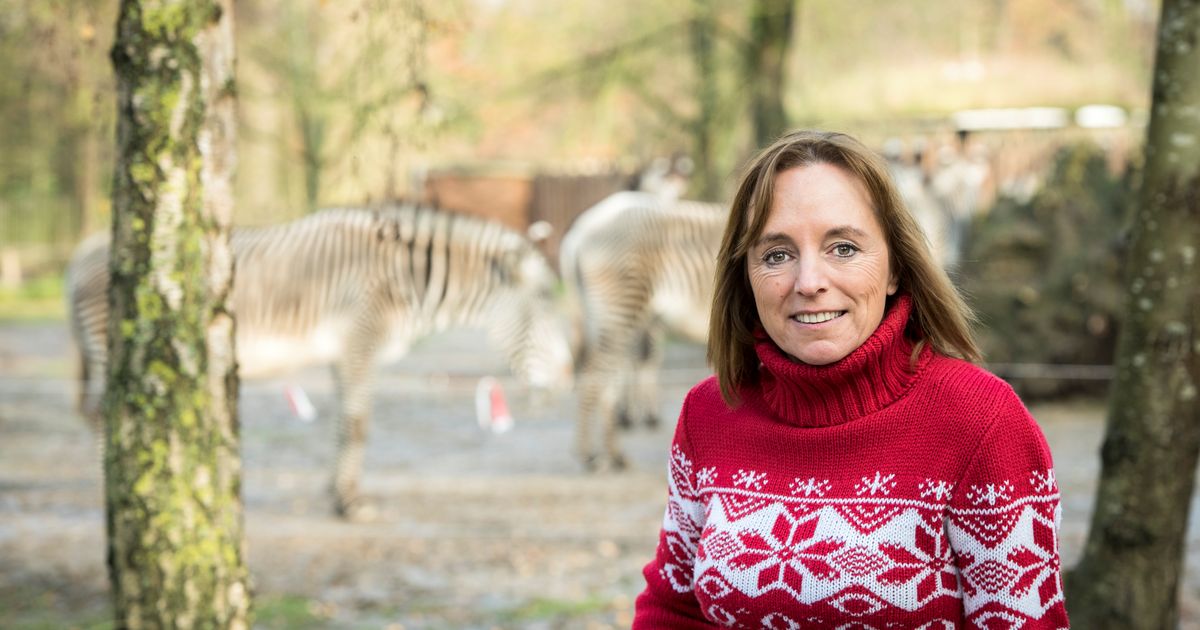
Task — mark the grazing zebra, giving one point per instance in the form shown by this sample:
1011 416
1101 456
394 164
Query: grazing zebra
353 288
637 265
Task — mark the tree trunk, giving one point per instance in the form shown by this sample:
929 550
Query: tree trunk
703 41
172 470
771 24
1129 575
308 99
83 157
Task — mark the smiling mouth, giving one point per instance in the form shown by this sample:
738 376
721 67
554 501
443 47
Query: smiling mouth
817 318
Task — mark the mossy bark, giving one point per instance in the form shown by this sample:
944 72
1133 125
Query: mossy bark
172 469
1130 572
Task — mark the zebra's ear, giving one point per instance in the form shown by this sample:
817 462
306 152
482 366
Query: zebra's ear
539 231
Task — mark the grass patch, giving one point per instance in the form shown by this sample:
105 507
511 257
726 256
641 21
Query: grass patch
39 299
288 611
33 612
557 609
47 620
36 608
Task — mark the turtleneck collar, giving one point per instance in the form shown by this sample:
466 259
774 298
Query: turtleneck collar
868 379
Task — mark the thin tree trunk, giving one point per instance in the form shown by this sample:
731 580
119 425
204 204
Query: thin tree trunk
172 470
308 99
88 186
771 25
312 134
84 155
1130 571
703 41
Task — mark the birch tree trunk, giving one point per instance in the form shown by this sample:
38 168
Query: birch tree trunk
172 470
1130 572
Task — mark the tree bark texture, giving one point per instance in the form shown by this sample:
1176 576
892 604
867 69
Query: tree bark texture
702 37
771 25
1129 575
172 469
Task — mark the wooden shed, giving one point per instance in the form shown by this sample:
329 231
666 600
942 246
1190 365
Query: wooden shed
519 196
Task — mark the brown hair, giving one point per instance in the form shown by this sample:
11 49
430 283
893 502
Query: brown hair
940 316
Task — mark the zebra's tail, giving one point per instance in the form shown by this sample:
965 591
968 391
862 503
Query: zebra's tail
572 279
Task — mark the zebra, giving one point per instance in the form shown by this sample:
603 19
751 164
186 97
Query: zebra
354 287
636 265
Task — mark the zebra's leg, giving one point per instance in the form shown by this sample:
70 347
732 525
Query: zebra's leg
613 458
589 388
90 401
615 376
85 382
618 318
625 410
599 391
642 395
353 377
644 355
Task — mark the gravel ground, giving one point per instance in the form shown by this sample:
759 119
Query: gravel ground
475 530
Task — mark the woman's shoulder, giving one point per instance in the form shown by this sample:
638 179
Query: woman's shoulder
984 407
704 400
957 373
706 394
954 381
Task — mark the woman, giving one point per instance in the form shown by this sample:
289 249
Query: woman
848 466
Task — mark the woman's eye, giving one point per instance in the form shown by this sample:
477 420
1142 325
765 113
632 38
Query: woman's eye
844 250
775 258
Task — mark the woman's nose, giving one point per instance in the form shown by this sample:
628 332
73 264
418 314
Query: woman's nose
811 278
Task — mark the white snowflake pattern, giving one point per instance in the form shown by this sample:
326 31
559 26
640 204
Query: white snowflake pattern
881 484
936 488
750 479
681 473
990 493
680 459
809 487
1043 481
707 476
780 621
724 617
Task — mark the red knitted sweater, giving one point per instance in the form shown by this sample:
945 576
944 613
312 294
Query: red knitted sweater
865 494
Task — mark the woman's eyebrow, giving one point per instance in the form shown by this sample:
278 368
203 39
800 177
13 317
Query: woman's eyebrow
845 231
772 238
841 231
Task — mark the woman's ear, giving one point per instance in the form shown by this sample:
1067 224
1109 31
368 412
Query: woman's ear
893 284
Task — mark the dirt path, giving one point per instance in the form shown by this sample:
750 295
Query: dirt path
475 530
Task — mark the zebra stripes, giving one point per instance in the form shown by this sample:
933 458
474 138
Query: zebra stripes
637 265
353 288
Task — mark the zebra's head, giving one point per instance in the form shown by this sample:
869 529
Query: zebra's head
526 322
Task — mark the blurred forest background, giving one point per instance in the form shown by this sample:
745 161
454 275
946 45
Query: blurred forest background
527 110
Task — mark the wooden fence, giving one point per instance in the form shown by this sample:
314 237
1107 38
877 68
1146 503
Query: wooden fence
521 198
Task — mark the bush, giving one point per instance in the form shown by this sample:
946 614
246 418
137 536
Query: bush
1045 275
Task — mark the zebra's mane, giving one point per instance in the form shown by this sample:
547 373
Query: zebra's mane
395 222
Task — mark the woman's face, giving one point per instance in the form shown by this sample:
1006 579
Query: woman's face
819 271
